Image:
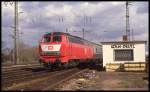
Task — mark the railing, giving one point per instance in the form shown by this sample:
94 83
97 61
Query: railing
128 67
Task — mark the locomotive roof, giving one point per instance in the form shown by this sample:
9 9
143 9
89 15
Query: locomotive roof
56 33
62 33
84 39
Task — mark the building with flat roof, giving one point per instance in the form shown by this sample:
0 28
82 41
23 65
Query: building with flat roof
123 51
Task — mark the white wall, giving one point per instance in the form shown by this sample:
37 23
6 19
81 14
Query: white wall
138 51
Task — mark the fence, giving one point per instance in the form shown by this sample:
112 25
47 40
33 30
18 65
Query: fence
135 66
131 66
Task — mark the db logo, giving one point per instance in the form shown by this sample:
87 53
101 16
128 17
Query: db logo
50 47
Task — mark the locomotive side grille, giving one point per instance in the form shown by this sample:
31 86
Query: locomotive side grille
51 53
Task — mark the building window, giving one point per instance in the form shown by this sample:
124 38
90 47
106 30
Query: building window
123 55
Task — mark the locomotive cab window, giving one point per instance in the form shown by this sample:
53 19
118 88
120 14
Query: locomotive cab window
57 38
46 39
123 55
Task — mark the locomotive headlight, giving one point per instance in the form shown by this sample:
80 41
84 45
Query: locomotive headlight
42 53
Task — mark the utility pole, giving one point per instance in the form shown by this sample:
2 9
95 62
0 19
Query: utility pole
66 30
16 58
83 32
85 22
127 21
132 35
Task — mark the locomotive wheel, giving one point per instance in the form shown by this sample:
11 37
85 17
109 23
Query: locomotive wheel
82 65
65 65
47 66
60 66
72 64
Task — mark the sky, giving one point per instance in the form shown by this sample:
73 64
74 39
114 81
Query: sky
102 21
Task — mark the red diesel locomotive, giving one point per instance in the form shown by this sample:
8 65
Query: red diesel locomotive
57 49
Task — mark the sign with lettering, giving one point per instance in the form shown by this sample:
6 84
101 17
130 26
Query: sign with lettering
50 47
122 46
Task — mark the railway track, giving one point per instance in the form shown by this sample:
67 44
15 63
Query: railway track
21 71
47 81
53 86
17 76
16 67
